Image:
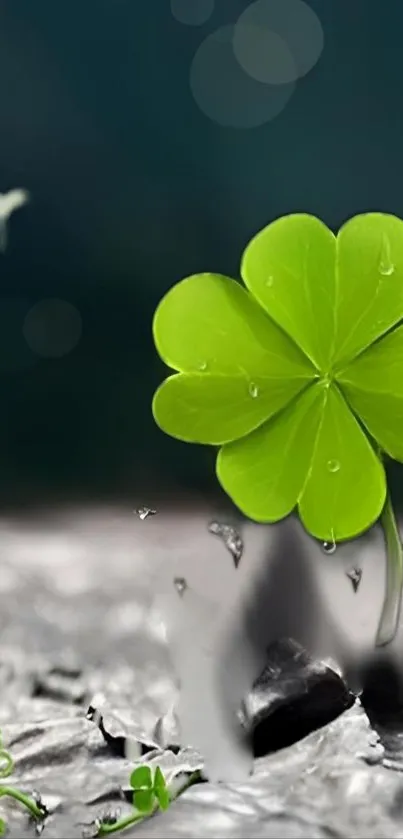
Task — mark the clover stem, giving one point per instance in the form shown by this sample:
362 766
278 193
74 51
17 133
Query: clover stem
389 620
105 829
25 800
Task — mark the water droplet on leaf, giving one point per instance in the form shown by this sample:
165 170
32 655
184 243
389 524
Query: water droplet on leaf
253 390
202 367
180 585
386 270
329 547
231 539
386 266
144 512
270 281
333 465
354 574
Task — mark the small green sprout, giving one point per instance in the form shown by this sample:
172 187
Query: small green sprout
298 378
37 811
150 793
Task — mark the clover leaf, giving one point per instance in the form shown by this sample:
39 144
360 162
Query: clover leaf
298 375
160 790
142 784
141 778
147 790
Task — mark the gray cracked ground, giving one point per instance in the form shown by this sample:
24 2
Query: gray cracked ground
77 593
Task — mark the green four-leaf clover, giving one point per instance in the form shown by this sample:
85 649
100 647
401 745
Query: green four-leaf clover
148 790
298 377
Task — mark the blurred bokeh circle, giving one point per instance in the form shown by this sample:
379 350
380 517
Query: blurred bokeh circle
225 93
278 41
52 328
192 12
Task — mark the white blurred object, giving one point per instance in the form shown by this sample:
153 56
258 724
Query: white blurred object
219 631
10 201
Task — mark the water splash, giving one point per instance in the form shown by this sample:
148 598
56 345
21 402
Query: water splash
180 585
354 574
231 539
144 512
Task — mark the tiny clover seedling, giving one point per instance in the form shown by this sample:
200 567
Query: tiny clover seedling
297 377
36 810
150 793
142 782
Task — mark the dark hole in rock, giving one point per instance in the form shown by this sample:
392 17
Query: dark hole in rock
293 696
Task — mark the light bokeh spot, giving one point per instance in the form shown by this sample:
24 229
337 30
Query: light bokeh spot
225 93
52 328
192 12
278 41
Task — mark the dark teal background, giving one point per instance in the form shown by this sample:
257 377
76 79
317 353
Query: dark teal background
133 188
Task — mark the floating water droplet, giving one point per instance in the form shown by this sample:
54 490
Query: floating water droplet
386 266
202 367
329 547
354 574
144 512
333 465
231 539
270 281
180 585
253 390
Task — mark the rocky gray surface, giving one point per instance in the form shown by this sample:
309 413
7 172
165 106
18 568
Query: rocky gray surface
76 620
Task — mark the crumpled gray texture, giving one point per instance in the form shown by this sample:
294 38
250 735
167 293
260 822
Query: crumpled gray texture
76 620
332 783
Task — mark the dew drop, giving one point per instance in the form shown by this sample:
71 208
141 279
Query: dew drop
333 465
386 266
202 367
329 547
270 281
386 269
253 390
